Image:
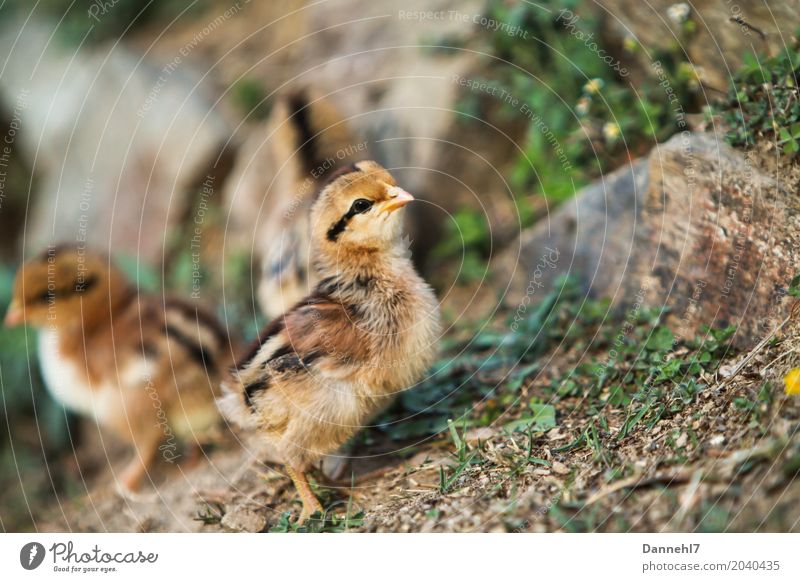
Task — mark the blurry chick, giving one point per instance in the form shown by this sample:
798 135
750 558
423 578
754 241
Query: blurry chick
321 370
310 138
143 366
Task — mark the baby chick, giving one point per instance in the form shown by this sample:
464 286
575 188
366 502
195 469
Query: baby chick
368 331
144 366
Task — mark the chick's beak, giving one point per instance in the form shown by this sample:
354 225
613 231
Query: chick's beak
397 199
14 315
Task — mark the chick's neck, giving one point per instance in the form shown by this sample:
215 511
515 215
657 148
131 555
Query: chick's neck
358 270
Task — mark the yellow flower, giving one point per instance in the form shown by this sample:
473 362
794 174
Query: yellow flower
610 131
679 13
792 381
593 86
630 44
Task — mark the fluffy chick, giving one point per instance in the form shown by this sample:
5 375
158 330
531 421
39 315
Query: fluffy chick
368 331
143 366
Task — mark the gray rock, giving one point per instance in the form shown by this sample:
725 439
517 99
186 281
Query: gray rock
590 237
243 518
121 144
695 228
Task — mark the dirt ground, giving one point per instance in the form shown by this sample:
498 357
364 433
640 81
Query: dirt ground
713 466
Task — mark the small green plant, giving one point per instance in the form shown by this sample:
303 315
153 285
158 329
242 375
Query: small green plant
583 114
464 458
794 286
210 513
543 418
788 138
250 97
762 101
327 522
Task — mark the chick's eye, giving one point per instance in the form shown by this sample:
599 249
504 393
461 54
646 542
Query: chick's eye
361 205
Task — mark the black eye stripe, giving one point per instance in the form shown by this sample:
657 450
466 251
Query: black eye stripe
359 206
75 288
87 284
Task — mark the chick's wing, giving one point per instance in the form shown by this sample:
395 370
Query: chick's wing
323 333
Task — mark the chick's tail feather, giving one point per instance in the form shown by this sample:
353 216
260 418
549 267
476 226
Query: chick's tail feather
310 140
320 136
233 405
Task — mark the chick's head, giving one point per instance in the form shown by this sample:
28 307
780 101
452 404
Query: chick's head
358 211
65 286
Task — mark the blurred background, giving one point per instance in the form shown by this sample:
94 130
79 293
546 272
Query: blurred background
160 131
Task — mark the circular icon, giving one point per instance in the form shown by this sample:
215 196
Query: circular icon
31 555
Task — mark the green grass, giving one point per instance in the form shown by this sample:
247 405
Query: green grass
464 458
331 520
327 522
636 372
634 368
491 367
589 114
762 101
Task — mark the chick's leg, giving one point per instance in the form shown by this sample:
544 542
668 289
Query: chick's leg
310 501
145 451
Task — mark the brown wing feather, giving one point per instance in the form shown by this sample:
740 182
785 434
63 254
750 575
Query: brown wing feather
326 328
317 332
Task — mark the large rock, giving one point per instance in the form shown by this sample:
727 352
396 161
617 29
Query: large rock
695 227
590 236
121 144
